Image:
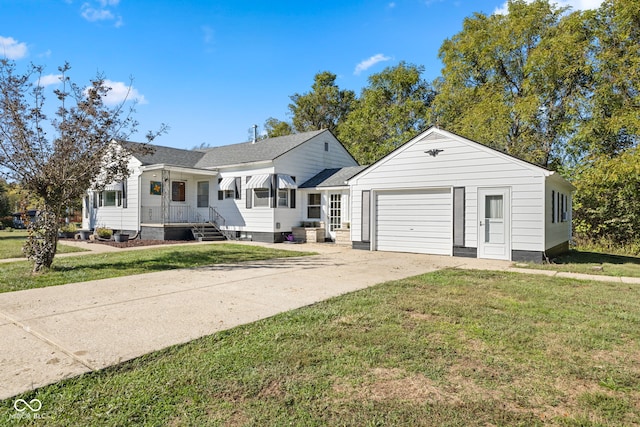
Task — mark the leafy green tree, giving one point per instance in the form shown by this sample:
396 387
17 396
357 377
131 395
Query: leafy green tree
324 107
516 82
391 110
612 118
59 159
607 200
275 127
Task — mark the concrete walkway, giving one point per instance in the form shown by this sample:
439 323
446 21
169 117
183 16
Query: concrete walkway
58 332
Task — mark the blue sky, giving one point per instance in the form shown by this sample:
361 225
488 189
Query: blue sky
212 69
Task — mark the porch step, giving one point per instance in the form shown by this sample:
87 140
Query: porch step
208 234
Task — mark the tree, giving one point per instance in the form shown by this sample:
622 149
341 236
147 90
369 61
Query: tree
391 110
612 116
324 107
516 82
275 127
59 167
607 200
5 205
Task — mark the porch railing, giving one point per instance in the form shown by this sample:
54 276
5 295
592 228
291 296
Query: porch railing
186 214
169 215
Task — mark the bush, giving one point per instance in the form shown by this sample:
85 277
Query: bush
69 228
104 233
6 221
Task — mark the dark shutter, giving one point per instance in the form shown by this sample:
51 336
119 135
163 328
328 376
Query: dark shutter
238 182
220 195
366 216
553 206
124 194
458 216
292 197
274 190
249 194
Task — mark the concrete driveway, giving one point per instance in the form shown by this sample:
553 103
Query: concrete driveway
53 333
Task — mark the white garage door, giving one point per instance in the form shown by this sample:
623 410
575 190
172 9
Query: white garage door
414 221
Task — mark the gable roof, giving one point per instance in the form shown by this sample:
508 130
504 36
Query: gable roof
234 154
249 152
433 129
336 177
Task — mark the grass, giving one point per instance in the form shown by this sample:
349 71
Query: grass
587 262
449 348
11 245
17 276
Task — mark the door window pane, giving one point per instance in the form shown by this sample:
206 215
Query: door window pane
203 194
335 211
493 207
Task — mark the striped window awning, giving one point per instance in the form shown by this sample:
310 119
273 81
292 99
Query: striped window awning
228 183
115 186
259 181
286 181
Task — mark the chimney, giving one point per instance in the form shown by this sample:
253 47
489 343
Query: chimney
255 134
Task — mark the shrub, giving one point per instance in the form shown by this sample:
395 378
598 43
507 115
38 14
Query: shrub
104 233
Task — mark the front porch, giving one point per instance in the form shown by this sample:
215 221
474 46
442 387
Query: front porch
181 222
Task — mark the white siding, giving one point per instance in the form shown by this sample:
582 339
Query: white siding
304 162
466 164
114 217
234 211
558 230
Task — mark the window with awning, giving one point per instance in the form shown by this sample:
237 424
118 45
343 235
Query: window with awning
259 181
286 181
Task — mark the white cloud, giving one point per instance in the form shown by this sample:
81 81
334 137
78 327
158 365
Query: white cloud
121 92
49 79
101 12
574 4
368 63
10 48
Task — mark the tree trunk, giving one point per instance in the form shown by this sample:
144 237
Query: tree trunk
42 240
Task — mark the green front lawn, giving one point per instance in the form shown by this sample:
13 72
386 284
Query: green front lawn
450 348
11 245
16 276
580 261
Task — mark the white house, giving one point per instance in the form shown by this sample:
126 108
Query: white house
439 193
444 194
248 190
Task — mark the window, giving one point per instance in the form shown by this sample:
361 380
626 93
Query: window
110 198
326 146
283 198
261 197
313 206
203 194
229 194
178 191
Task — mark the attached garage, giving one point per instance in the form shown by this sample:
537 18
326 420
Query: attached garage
417 220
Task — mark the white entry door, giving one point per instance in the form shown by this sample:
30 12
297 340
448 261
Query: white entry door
494 226
335 213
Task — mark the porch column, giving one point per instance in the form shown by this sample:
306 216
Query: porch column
166 195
